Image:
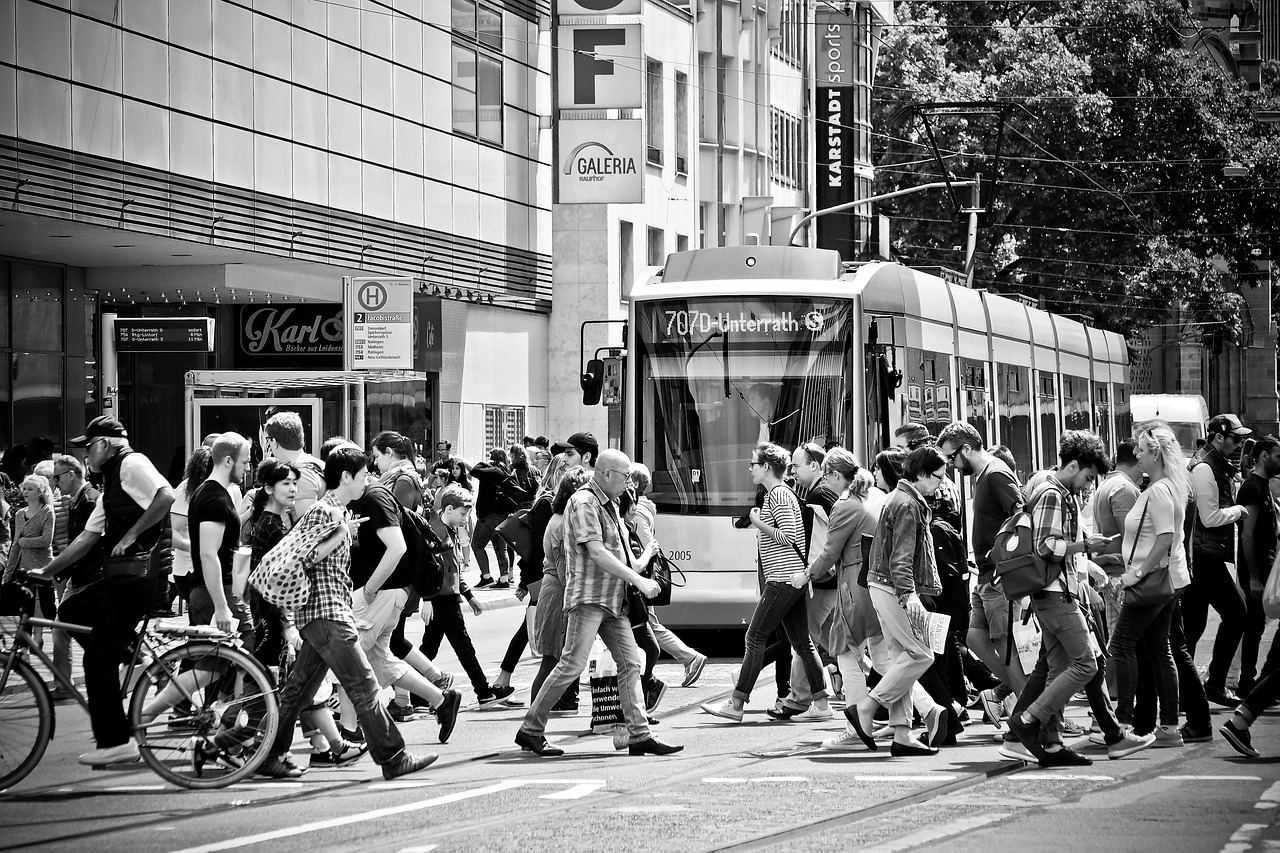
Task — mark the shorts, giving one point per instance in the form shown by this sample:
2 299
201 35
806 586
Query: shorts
990 611
200 612
375 623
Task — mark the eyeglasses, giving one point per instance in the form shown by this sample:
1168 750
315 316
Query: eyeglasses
950 457
62 474
754 464
626 472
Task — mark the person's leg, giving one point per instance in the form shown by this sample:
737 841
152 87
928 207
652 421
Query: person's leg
648 644
582 625
1156 641
1195 706
1255 623
114 633
305 677
817 613
485 529
764 619
668 641
777 651
989 631
619 638
61 640
1100 701
515 649
1226 598
1067 636
1131 625
339 646
1195 599
795 622
448 608
909 659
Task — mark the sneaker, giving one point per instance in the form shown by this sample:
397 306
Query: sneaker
653 693
60 696
814 714
847 740
280 768
124 753
1028 734
448 713
1071 728
347 734
401 713
1240 739
1128 744
1166 737
564 708
343 755
483 582
1065 757
1098 739
444 680
1221 696
406 763
725 710
1015 751
693 670
501 585
992 707
492 701
1190 734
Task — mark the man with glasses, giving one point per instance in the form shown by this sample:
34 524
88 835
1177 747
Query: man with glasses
75 505
598 568
1212 547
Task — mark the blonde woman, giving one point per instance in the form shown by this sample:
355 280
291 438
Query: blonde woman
1153 544
33 541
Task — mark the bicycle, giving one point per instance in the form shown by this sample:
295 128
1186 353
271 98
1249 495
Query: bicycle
221 703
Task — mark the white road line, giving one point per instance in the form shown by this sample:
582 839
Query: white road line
1212 778
576 792
1242 839
1057 777
1272 794
400 784
946 830
121 789
936 777
258 786
421 848
315 826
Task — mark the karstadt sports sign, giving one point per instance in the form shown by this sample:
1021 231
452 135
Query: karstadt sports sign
601 161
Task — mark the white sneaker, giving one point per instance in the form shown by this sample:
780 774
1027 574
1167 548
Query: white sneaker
122 754
814 715
846 740
1015 751
1129 743
1166 737
724 710
1097 739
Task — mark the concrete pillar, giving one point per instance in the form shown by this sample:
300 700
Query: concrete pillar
583 291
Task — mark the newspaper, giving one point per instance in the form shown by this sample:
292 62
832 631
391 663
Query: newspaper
935 631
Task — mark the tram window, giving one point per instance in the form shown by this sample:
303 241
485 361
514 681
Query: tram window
1075 403
1102 415
1124 418
928 388
1048 419
1013 406
976 395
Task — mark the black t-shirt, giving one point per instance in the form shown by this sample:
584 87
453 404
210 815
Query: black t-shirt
381 508
1255 492
212 502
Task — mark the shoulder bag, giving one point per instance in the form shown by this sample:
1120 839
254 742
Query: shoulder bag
1156 586
517 533
281 576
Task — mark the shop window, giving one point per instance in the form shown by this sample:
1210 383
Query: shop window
37 398
37 307
503 426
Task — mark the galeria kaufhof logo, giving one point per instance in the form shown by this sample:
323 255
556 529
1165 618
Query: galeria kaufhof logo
593 161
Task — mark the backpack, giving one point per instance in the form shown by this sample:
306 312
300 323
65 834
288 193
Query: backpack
423 550
1020 571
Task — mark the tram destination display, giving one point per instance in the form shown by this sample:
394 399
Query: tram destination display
164 334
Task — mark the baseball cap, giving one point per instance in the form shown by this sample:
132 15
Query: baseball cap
1227 425
583 442
103 426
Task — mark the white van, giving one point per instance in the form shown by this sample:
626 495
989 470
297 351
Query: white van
1186 415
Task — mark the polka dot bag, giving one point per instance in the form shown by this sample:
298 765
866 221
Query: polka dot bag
281 576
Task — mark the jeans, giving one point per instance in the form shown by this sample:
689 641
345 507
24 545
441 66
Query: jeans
113 611
1095 691
648 644
780 604
1263 695
1069 659
519 640
1255 625
1150 625
335 646
1195 707
907 657
583 624
447 621
486 531
61 638
818 610
1213 586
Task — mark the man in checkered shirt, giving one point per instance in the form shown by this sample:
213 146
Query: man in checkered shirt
329 638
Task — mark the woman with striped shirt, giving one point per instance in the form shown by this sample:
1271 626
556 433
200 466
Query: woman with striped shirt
780 529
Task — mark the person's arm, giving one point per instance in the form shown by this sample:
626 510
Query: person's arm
211 570
611 565
393 538
161 502
1210 514
79 548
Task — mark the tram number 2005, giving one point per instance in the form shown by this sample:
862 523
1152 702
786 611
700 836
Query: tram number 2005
680 556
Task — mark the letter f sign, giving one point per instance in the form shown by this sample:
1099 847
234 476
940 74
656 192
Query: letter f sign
586 68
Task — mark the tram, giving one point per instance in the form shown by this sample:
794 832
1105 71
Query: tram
729 347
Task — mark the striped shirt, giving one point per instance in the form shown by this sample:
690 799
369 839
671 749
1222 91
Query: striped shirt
592 516
778 556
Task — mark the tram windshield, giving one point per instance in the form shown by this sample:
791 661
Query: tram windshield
718 376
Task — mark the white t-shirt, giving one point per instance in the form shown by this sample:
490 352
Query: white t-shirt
182 564
140 481
1164 514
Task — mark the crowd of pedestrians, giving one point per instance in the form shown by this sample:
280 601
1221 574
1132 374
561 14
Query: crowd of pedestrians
881 588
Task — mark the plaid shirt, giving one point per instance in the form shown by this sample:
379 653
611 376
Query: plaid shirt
1055 521
330 578
592 516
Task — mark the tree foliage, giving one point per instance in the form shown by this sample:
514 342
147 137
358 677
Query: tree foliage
1112 199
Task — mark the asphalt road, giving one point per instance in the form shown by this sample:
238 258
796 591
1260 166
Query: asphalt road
756 786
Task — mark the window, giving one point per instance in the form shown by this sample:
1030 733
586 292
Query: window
477 70
656 247
788 48
653 112
626 256
503 426
682 243
786 160
682 123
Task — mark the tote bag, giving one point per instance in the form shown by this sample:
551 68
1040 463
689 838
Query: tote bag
281 576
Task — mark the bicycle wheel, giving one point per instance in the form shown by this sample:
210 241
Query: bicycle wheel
26 723
226 731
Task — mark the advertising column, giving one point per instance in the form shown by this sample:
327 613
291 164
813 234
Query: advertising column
836 139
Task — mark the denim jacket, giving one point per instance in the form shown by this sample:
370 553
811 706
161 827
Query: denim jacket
902 555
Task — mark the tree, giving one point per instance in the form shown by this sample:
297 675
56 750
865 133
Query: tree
1112 198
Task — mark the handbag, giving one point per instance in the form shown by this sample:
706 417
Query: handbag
662 570
281 576
517 533
1156 586
126 567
